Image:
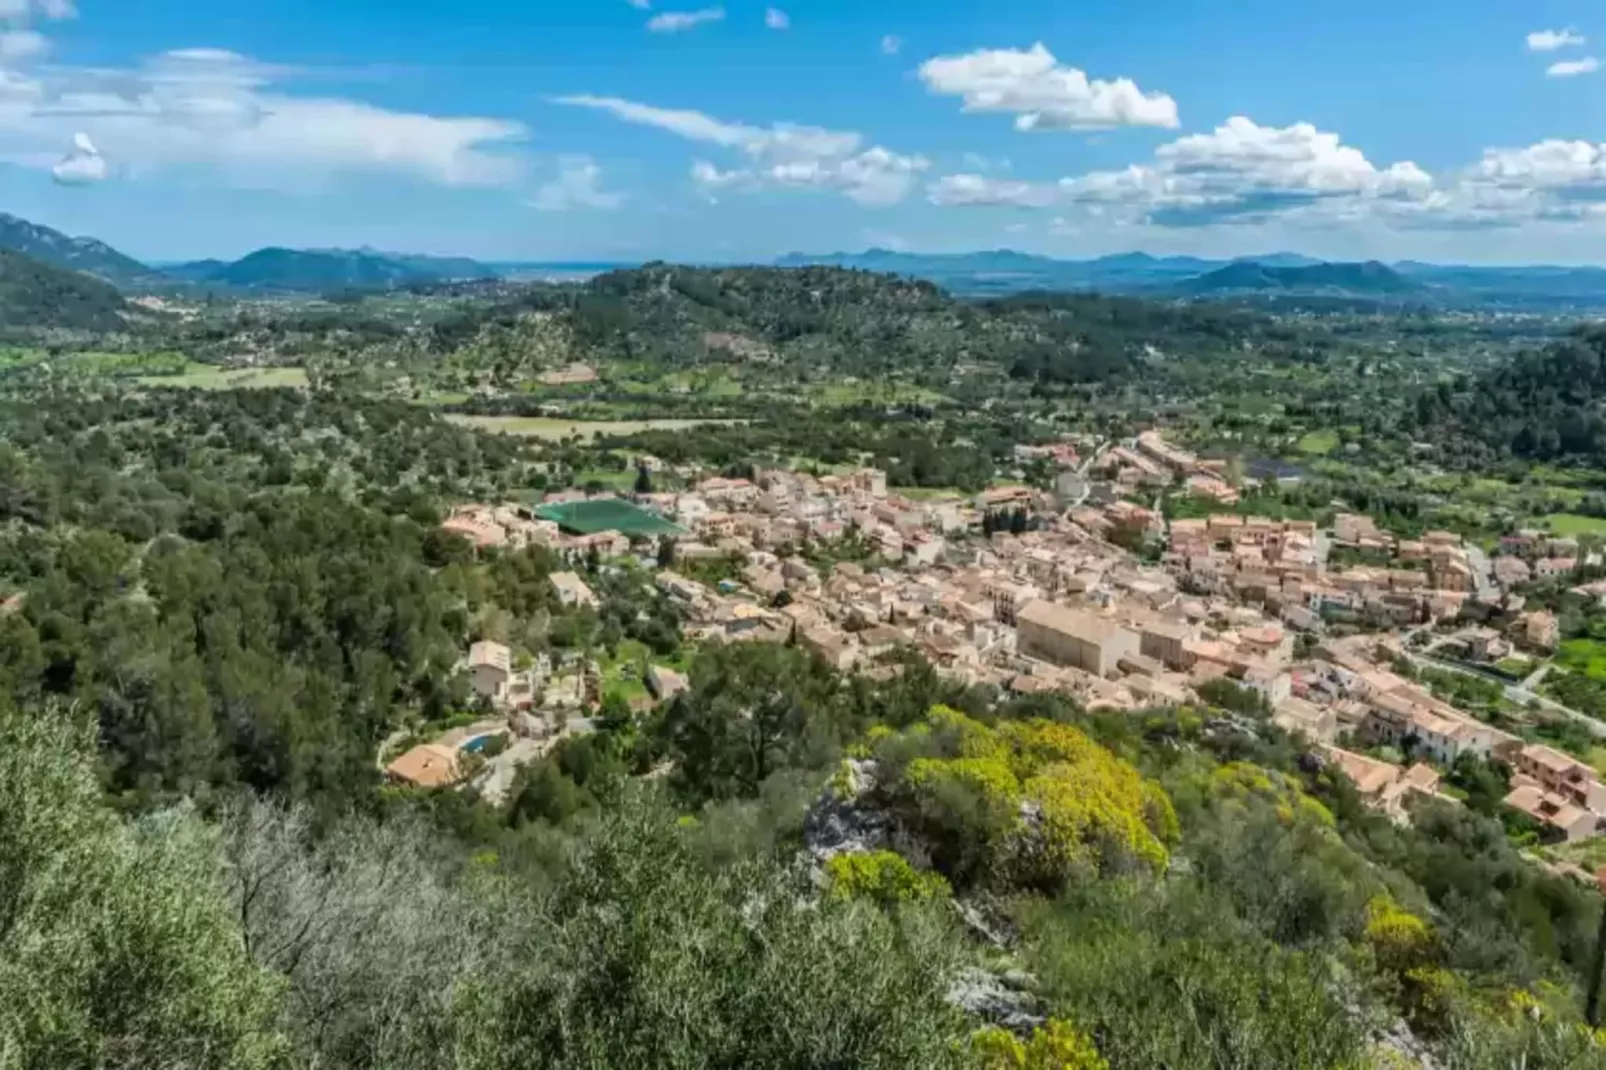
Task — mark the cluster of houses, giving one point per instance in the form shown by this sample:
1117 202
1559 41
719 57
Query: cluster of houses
1063 607
1346 693
1151 461
1534 555
1282 565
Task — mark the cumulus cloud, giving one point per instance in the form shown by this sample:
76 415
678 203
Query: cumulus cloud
578 185
215 110
21 45
680 21
25 10
782 155
973 189
1572 68
891 45
1042 93
776 19
1553 40
1240 172
82 166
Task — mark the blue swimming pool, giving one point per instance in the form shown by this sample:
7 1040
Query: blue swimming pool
478 743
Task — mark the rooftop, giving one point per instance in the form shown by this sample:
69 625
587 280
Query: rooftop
1077 623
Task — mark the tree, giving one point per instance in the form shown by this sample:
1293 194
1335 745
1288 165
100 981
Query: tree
364 923
645 957
118 946
643 479
666 552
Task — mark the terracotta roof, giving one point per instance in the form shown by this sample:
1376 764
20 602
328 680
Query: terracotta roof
427 766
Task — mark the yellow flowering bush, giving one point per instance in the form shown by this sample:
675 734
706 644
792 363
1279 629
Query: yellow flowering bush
1401 940
1032 801
883 877
1057 1045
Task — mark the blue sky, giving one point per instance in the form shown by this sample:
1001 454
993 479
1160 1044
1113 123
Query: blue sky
687 129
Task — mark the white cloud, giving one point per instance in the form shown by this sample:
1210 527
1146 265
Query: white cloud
20 45
971 190
1572 68
215 110
577 186
640 5
679 21
1240 172
1042 94
82 166
26 10
891 45
776 19
1553 40
782 155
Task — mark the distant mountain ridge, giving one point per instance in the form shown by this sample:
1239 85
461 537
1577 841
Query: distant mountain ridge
1249 276
323 270
1000 272
88 255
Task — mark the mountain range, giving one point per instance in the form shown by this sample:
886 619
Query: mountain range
325 270
87 255
1274 277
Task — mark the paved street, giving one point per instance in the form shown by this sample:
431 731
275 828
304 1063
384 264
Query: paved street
1517 693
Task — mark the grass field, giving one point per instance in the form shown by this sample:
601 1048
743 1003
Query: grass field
884 393
554 429
1571 524
208 377
1318 443
1586 656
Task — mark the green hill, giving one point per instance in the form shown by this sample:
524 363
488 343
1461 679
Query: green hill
35 294
324 270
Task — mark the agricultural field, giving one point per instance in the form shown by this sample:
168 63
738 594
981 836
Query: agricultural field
211 377
1318 443
1584 656
555 429
1573 525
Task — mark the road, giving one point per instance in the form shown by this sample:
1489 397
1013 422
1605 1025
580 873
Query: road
1482 570
1083 469
1517 693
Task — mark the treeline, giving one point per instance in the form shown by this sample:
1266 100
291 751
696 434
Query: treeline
1544 405
252 588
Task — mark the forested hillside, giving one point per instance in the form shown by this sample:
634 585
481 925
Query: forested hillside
851 322
34 294
1546 405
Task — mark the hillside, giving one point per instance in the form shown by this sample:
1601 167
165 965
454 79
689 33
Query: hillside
35 294
323 270
1546 405
1369 279
831 320
88 255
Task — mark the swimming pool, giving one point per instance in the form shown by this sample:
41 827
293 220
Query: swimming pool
478 743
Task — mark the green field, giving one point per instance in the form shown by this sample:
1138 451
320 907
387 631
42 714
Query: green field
881 393
555 429
1318 443
1571 524
209 377
1586 656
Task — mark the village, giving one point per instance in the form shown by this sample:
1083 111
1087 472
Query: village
1079 592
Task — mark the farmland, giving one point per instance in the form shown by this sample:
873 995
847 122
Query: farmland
555 429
